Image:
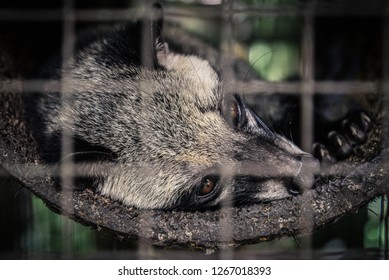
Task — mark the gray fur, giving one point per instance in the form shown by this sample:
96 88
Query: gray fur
169 127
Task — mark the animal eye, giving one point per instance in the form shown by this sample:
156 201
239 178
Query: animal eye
234 111
207 186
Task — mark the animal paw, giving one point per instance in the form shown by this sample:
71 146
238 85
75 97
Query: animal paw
341 143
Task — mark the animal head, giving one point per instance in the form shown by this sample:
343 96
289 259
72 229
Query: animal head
180 141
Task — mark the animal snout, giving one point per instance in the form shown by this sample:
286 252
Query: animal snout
305 176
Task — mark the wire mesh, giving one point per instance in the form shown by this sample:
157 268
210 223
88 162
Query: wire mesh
306 84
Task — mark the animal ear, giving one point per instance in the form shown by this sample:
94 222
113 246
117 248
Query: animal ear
161 48
156 57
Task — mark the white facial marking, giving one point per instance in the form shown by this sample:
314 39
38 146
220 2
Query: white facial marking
272 190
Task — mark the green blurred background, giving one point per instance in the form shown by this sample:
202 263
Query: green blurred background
268 34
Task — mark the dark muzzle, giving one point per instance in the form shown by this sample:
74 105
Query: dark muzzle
305 177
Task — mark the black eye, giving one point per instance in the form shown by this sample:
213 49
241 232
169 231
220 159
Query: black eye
207 186
234 112
237 112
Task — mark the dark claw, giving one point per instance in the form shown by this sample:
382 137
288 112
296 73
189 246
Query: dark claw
294 190
340 145
365 122
354 133
322 153
361 119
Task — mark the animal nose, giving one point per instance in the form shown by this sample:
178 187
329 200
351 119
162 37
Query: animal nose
305 177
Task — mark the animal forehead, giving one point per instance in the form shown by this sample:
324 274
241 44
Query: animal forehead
193 68
185 88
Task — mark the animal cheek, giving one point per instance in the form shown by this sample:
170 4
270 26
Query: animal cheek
271 190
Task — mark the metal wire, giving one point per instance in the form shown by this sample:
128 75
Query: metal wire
308 86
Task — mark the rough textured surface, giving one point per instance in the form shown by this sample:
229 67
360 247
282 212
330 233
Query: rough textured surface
333 197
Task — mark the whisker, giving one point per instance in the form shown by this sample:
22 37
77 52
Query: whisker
289 123
85 153
252 65
269 123
267 115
